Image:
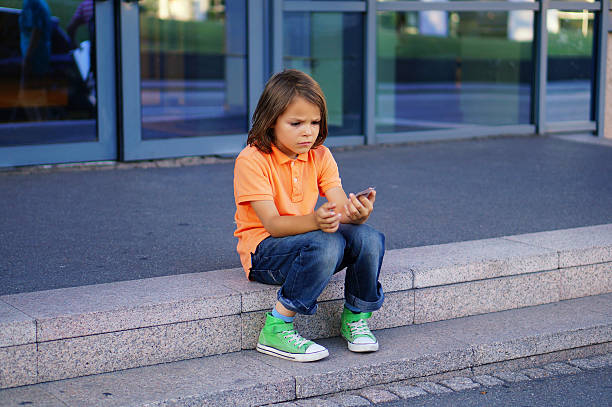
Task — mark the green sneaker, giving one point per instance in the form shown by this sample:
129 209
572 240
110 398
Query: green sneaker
279 338
355 330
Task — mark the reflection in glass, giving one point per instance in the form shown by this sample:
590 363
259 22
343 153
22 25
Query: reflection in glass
329 47
525 1
570 65
193 68
47 75
446 70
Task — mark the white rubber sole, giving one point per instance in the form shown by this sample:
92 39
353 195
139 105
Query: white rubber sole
362 347
296 357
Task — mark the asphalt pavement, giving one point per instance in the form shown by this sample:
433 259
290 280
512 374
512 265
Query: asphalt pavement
62 229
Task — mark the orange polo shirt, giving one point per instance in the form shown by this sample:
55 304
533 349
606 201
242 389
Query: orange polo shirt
293 184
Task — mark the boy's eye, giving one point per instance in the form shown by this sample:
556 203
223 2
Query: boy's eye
295 123
316 123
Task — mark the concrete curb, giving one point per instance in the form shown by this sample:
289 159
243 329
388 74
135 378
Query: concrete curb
64 333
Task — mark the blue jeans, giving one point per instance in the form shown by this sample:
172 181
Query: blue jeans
303 265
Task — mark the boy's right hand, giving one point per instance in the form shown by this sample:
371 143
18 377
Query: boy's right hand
326 217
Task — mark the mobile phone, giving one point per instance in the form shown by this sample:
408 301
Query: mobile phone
365 192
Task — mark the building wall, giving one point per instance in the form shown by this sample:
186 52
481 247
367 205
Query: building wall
608 120
200 68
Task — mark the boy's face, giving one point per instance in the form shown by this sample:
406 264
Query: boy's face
297 128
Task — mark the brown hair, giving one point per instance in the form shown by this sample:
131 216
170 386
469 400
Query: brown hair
278 94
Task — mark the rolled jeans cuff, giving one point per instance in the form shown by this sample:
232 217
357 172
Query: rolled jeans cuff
365 306
296 306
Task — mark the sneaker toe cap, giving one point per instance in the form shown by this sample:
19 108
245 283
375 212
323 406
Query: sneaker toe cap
314 348
364 340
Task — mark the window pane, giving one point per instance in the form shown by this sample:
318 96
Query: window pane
570 65
527 1
444 70
47 72
193 68
329 47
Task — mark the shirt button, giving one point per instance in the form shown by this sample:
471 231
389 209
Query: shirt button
292 162
294 179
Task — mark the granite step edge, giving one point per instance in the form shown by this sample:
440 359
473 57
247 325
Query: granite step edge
78 311
441 354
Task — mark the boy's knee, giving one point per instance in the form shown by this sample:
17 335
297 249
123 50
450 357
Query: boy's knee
369 239
328 247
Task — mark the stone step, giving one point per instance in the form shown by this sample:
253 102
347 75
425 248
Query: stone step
473 345
71 332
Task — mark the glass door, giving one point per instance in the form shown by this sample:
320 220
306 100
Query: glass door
327 40
184 77
57 92
571 66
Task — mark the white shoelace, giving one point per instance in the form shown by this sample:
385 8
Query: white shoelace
294 336
359 327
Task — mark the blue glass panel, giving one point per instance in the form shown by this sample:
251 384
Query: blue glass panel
571 70
330 48
449 70
524 1
47 72
193 68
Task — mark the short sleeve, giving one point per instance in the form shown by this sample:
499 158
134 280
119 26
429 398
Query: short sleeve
328 176
251 180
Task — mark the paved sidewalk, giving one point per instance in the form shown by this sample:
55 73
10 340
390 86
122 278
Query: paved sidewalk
73 228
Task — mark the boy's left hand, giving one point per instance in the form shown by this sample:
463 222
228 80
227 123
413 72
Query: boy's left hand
358 209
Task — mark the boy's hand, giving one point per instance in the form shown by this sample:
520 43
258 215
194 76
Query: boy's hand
358 209
326 217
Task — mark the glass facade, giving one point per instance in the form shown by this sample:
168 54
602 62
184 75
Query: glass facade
47 72
448 70
182 77
332 53
571 69
193 68
391 1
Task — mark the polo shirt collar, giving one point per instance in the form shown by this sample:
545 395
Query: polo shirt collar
282 157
